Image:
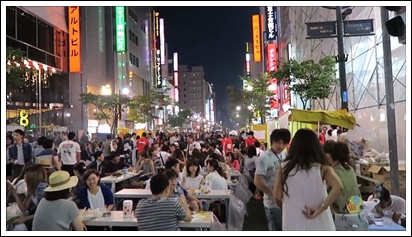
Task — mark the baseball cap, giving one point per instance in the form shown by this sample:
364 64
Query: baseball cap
381 193
233 133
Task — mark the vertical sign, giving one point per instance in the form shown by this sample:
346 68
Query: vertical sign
271 23
120 35
272 57
158 69
162 41
74 39
257 54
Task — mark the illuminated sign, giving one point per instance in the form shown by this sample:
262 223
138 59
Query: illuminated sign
175 62
247 67
272 57
120 29
74 39
176 95
24 118
175 79
158 55
271 23
247 48
159 81
257 54
162 41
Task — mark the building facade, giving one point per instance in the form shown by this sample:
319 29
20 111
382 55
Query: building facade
40 33
364 71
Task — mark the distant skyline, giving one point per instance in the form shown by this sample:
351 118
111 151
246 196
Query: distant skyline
212 37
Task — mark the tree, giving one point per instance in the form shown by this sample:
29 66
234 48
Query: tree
16 70
257 94
179 119
308 79
108 108
237 98
142 106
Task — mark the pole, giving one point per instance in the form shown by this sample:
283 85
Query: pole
390 107
40 100
341 58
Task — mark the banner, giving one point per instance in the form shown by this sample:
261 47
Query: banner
74 39
271 23
257 52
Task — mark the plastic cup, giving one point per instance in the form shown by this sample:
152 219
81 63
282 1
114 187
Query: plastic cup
387 217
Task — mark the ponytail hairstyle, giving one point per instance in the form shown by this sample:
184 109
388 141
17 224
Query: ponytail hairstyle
216 166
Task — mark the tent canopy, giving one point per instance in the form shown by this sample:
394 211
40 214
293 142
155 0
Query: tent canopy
340 118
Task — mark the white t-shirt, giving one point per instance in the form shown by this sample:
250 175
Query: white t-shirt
68 151
398 204
216 181
250 164
96 201
259 152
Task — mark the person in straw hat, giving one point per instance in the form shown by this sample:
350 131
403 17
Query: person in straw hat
65 216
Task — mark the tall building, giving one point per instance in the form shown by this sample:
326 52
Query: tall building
193 89
115 58
41 33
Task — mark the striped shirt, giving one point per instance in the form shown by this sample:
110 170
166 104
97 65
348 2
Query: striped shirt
159 214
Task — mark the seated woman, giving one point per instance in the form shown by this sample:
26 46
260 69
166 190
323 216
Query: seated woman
95 195
55 212
36 180
391 203
146 164
232 161
215 177
191 178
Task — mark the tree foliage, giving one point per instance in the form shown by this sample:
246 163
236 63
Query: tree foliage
16 70
108 108
308 79
142 107
179 119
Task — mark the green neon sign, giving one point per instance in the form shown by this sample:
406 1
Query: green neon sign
120 29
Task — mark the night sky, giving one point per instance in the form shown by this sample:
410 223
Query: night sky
213 37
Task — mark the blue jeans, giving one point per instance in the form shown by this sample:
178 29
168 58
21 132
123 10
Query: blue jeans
274 216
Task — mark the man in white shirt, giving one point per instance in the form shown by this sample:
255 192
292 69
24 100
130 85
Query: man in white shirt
391 203
69 153
192 144
259 152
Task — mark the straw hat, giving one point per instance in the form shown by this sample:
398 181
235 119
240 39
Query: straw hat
61 180
45 162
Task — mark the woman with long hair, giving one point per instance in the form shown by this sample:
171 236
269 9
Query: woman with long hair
215 178
232 161
192 179
179 156
36 180
300 185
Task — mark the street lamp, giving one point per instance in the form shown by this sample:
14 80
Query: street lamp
125 91
238 108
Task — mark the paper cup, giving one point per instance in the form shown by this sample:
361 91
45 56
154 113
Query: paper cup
127 208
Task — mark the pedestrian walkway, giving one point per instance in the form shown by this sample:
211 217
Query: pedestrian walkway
256 218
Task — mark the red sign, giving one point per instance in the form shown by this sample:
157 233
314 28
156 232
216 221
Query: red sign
272 57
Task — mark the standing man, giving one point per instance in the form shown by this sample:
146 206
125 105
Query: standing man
20 153
69 153
265 176
107 149
142 143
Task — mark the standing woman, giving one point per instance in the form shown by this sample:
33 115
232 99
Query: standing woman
300 186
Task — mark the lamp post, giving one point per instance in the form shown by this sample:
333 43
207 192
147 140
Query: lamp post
341 53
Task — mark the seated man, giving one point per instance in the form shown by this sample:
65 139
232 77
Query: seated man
115 164
160 212
388 202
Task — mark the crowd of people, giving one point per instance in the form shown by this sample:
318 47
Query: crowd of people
305 182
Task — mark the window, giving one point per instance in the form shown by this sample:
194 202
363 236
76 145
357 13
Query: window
26 27
143 27
133 38
194 88
184 75
194 82
184 96
134 60
184 83
133 15
46 36
184 89
184 102
11 22
194 94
